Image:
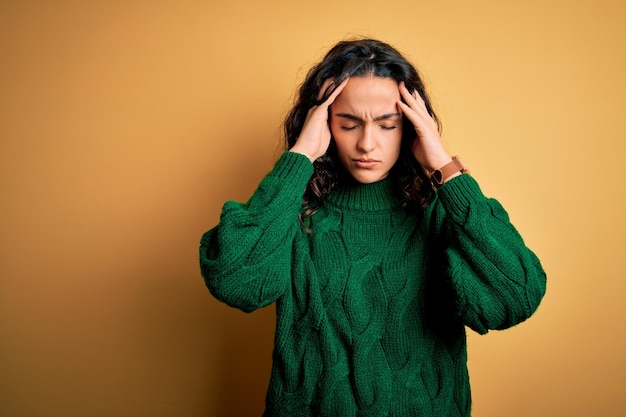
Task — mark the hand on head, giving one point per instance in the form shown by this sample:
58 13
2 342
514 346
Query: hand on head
427 147
315 136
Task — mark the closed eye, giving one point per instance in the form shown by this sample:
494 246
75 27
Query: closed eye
348 127
388 127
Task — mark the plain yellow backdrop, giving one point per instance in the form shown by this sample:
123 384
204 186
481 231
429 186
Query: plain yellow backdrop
125 125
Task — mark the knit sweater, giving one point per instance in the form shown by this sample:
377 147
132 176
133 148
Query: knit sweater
373 301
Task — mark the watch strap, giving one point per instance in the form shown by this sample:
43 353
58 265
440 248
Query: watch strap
442 174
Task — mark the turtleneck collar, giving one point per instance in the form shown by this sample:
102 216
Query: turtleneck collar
377 196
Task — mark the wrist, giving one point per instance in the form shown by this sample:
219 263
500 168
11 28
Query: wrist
296 149
446 172
437 164
430 157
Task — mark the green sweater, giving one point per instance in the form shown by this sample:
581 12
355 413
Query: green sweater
372 304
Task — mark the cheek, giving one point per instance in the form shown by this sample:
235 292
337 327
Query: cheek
342 148
340 139
394 141
395 148
334 130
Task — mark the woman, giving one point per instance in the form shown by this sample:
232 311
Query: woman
377 246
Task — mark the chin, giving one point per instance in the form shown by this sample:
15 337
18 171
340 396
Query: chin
367 177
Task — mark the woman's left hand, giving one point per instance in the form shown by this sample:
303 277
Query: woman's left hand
427 147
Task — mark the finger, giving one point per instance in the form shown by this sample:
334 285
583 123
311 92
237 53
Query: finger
417 115
409 105
410 113
405 91
411 97
328 84
335 93
414 101
324 88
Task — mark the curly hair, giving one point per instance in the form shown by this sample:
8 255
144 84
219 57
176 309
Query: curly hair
354 58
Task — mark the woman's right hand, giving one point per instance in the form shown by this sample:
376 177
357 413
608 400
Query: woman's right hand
315 135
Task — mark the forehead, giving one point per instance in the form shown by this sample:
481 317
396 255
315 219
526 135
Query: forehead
368 92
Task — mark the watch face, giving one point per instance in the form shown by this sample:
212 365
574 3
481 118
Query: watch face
436 177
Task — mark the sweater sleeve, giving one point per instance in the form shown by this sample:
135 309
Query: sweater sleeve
498 281
246 259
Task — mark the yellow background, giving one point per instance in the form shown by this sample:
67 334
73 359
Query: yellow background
124 126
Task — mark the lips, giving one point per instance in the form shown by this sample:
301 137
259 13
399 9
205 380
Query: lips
365 163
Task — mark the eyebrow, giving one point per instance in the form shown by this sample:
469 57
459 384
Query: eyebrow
376 119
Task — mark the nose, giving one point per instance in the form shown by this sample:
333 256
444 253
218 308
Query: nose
367 141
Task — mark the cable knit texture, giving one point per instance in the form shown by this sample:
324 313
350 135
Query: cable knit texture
372 304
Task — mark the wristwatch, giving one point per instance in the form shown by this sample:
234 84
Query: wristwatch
440 175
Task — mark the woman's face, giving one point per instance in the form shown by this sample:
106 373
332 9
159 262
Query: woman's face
366 125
